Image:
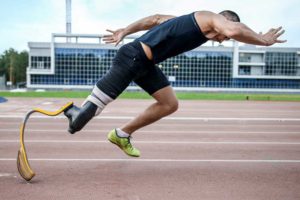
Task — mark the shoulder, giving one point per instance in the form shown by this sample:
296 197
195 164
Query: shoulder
205 19
206 15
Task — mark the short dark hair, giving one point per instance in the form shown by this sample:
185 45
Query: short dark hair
230 15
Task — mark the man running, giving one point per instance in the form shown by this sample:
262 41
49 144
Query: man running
167 36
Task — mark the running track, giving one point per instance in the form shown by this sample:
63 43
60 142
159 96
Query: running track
207 150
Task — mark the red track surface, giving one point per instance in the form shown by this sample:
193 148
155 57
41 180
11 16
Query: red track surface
207 150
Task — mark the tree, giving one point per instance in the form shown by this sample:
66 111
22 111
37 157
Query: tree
21 63
13 65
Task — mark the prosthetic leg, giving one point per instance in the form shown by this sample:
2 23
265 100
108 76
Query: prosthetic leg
92 106
22 162
78 118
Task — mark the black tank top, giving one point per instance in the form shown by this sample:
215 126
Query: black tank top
173 37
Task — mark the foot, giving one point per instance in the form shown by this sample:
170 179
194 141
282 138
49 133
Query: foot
79 117
123 143
72 113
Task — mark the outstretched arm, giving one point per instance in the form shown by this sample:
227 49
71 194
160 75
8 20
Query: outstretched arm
140 25
243 33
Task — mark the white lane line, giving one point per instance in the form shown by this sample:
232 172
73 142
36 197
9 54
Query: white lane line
162 122
155 142
170 118
152 160
5 175
47 103
154 131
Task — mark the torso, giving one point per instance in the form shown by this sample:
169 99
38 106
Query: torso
202 18
172 37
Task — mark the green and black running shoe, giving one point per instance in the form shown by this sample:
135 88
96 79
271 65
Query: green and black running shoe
123 143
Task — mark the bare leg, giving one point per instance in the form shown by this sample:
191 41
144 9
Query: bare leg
166 104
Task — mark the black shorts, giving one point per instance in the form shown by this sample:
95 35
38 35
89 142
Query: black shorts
131 64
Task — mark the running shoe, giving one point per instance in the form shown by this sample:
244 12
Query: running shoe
123 143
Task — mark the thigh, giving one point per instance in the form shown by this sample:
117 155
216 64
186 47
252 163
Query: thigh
153 80
125 68
116 80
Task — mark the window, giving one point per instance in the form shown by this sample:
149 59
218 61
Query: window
40 62
244 70
251 57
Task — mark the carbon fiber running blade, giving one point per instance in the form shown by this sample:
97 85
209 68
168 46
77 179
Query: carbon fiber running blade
22 162
23 166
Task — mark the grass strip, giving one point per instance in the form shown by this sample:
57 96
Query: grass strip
143 95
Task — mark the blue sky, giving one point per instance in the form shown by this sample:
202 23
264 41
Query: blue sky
34 20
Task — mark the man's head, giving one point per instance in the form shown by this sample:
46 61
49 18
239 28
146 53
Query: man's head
230 15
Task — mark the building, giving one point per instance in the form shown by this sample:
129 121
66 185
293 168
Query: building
73 61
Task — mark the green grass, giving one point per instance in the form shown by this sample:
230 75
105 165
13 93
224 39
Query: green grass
180 95
47 94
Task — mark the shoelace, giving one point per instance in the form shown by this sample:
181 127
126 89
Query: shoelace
129 143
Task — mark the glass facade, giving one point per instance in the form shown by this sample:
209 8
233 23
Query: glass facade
194 69
199 69
77 67
281 64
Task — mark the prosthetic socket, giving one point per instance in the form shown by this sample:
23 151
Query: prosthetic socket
92 106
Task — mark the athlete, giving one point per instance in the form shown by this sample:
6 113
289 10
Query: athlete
167 36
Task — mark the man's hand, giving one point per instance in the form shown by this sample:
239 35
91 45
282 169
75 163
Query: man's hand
116 36
271 37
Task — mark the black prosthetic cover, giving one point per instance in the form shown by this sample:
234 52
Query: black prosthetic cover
79 117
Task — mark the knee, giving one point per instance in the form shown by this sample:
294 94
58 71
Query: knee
171 106
174 106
